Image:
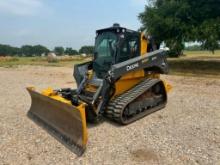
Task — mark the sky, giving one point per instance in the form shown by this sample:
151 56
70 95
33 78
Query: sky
67 23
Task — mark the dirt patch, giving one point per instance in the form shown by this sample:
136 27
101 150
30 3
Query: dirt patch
142 155
187 131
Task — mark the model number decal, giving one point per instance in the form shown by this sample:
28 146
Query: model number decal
132 66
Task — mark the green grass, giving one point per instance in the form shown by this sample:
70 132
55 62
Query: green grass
196 63
202 53
16 61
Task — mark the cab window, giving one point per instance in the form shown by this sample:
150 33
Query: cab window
129 48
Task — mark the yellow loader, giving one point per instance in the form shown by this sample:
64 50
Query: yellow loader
122 83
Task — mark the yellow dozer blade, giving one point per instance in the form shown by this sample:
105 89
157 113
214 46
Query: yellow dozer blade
60 118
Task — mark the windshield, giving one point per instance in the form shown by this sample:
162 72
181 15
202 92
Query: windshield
105 51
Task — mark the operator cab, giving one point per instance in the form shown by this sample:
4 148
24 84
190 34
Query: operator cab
114 45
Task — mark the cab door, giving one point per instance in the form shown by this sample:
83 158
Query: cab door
129 47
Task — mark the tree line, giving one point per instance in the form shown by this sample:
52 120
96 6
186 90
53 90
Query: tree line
177 21
69 51
38 50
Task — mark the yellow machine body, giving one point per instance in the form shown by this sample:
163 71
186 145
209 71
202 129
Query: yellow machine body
131 79
58 115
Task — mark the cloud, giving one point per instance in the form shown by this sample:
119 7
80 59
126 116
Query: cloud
20 7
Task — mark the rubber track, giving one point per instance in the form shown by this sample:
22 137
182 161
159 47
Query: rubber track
118 104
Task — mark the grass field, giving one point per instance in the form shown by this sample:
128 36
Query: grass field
196 63
202 53
16 61
193 63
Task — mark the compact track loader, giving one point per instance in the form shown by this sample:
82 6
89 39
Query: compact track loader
122 83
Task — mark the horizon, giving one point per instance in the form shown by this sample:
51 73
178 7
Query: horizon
67 24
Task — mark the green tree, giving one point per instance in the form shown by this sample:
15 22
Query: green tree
179 21
70 51
4 50
15 51
38 50
87 50
27 50
7 50
59 50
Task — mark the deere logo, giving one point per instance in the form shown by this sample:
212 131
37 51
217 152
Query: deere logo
132 66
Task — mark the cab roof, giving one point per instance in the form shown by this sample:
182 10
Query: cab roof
116 28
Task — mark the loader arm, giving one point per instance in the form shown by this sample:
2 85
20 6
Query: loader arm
154 61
